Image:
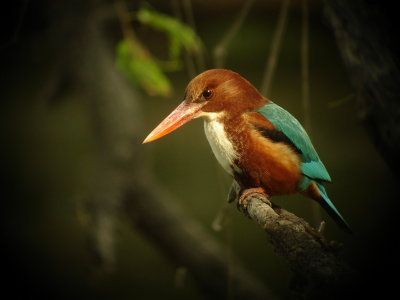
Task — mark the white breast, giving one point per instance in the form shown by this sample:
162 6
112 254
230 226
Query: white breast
219 142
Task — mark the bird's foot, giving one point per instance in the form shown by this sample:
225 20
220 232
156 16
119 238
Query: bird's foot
242 202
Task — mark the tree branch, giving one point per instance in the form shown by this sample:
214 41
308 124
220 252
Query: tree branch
270 67
220 50
188 57
188 11
312 258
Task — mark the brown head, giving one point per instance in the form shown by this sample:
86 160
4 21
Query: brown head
213 91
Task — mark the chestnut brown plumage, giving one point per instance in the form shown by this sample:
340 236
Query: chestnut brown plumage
256 141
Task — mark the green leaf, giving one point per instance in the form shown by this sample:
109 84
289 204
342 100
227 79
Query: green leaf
180 35
139 67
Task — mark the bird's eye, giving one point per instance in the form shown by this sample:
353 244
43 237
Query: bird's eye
207 94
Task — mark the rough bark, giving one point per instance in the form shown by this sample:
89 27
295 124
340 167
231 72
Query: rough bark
315 262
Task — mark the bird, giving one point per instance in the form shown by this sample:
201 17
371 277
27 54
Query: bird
260 144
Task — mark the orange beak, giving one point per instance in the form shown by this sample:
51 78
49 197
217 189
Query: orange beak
181 115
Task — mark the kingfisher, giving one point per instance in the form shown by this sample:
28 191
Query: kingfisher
261 145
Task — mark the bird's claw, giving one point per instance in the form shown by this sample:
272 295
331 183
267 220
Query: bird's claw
243 199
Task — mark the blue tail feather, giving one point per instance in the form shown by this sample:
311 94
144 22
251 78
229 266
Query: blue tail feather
331 209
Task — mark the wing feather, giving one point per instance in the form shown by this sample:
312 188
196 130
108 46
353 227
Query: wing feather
284 122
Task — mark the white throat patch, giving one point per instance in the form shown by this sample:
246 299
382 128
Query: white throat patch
219 142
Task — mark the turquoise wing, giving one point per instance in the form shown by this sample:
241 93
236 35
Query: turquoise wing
312 167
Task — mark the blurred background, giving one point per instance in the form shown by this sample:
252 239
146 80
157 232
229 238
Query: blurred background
84 82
